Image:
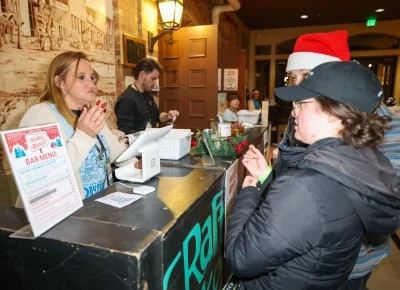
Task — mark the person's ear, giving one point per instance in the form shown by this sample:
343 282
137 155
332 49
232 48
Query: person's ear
142 75
58 82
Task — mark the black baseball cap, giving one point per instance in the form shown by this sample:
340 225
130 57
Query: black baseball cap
347 82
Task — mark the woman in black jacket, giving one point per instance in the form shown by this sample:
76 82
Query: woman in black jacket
307 232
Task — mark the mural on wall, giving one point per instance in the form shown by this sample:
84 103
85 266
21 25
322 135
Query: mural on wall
33 32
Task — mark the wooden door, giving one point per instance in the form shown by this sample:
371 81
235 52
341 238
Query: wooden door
189 81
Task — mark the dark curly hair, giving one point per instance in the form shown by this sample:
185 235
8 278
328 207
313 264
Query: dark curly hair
360 129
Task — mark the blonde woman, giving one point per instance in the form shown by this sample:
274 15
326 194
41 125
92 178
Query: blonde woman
70 87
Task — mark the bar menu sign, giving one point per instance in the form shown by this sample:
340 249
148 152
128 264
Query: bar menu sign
43 174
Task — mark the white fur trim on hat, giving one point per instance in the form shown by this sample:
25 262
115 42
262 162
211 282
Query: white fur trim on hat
307 60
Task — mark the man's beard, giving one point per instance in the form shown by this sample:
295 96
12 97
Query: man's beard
146 88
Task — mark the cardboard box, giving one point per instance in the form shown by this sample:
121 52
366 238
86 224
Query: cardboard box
175 144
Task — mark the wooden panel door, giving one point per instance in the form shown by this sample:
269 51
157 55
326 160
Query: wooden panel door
189 81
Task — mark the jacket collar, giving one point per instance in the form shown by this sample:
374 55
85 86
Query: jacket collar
291 156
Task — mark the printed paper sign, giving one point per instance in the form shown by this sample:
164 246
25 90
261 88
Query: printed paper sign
129 80
43 174
219 79
119 199
221 103
231 76
231 182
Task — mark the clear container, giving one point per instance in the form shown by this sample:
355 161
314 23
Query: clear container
213 127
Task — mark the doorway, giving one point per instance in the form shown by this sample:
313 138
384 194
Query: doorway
385 69
262 78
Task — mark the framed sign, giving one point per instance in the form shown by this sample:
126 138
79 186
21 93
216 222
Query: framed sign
134 50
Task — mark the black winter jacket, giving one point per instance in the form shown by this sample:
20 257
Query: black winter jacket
308 231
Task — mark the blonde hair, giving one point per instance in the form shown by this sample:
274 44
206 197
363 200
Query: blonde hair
60 66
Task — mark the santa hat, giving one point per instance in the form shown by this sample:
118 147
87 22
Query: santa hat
314 49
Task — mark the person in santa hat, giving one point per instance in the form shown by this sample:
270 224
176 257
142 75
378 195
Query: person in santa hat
310 51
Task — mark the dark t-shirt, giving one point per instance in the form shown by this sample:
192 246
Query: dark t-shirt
133 110
77 112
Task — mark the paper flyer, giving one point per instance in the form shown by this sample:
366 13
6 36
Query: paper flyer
119 199
219 79
129 80
43 174
231 77
264 112
231 184
222 103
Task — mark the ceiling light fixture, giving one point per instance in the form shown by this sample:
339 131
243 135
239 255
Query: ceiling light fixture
304 16
380 10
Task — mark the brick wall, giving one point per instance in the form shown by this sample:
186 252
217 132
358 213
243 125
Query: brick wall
134 17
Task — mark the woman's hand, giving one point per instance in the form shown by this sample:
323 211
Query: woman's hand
91 122
249 181
255 162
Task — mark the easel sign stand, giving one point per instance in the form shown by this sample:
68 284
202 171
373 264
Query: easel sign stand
146 146
43 175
